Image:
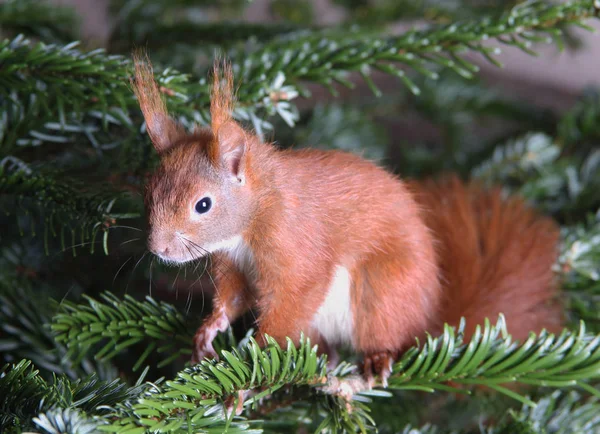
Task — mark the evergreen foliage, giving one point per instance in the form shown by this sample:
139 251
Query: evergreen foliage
84 309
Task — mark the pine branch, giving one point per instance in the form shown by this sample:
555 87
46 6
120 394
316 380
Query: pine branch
40 19
119 324
64 203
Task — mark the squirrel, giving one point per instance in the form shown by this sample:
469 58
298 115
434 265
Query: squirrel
331 245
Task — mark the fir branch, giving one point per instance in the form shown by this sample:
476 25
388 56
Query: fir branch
579 260
541 360
556 413
38 107
194 399
40 84
22 390
64 203
134 20
24 319
92 395
559 413
160 36
60 421
41 19
530 165
335 126
518 160
580 126
383 11
42 69
579 264
25 394
491 359
315 58
269 79
119 324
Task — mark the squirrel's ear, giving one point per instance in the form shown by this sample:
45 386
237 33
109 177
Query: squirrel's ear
231 140
162 129
232 144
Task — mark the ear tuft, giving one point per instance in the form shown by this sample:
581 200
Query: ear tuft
231 142
162 129
222 96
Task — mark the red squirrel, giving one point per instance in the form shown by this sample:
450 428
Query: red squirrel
331 245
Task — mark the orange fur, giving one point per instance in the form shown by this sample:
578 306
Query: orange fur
163 131
222 95
287 220
496 256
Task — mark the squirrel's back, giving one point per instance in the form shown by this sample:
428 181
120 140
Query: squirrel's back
496 256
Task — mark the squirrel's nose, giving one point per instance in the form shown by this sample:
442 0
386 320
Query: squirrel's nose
163 252
156 247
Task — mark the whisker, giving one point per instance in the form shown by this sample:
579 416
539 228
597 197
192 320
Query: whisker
150 282
125 227
134 268
129 241
188 303
64 297
207 253
77 245
217 265
120 268
175 281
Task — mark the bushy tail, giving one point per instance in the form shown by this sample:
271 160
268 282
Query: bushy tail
496 256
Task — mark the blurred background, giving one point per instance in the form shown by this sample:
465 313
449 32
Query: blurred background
553 78
74 153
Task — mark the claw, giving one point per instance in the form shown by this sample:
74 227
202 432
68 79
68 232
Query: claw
203 347
380 365
230 401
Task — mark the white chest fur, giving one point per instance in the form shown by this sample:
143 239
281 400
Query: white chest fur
239 252
334 318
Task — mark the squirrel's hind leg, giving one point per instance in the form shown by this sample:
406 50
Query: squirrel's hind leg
394 300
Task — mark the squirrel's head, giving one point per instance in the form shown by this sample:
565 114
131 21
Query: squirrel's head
199 200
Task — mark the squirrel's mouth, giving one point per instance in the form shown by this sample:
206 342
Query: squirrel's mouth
178 260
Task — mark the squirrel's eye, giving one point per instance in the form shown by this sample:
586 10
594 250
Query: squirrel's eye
203 205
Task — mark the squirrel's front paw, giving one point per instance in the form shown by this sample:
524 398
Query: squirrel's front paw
378 364
203 347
